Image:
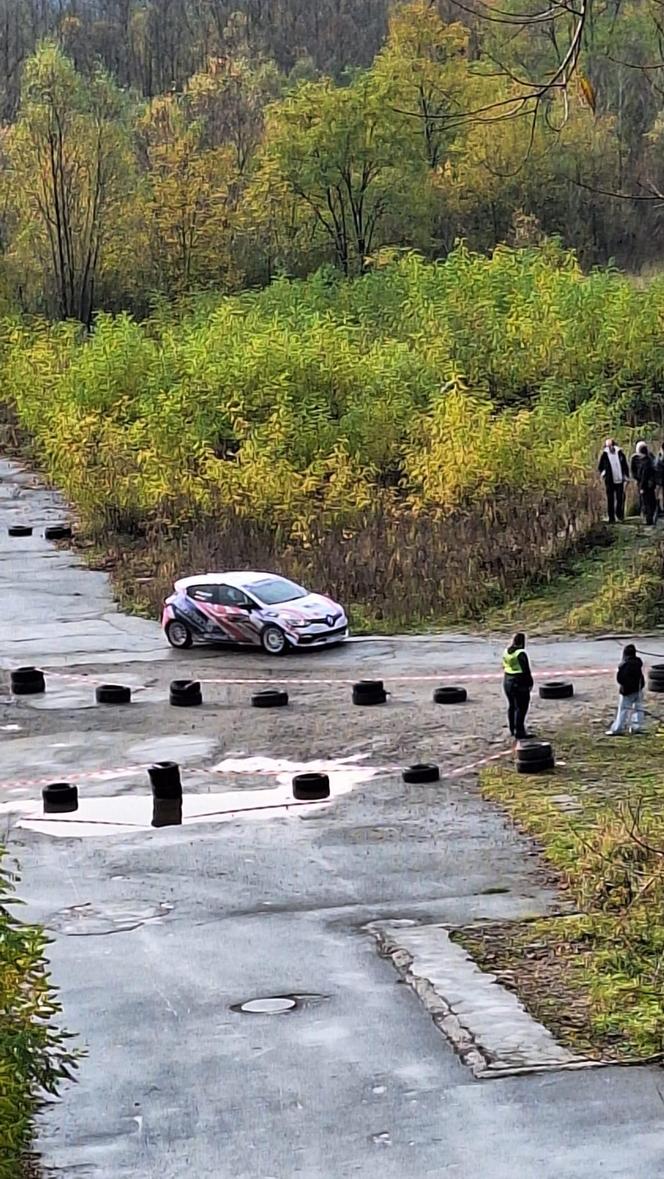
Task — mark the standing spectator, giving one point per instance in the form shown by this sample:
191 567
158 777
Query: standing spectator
659 480
518 685
613 468
630 700
646 481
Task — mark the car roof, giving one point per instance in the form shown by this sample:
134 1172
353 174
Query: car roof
241 580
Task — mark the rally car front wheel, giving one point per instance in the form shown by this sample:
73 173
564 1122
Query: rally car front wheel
274 641
179 635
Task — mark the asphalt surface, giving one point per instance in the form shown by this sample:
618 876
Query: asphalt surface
160 934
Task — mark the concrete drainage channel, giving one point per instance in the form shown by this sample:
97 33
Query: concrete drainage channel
486 1024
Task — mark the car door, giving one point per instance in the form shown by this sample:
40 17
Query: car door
237 614
200 607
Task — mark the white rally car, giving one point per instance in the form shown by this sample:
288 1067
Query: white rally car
260 609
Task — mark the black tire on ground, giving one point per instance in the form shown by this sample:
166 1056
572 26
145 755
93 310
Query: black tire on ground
422 772
536 767
112 694
273 640
166 812
529 751
270 698
557 690
451 695
185 693
178 635
57 532
60 798
165 780
310 787
655 686
20 530
657 670
27 681
368 692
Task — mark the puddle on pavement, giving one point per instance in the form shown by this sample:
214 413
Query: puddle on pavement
89 921
126 814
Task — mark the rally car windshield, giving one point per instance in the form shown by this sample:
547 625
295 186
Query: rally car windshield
272 593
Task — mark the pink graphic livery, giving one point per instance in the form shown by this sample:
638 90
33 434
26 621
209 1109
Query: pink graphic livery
261 609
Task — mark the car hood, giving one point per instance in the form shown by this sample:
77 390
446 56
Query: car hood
313 606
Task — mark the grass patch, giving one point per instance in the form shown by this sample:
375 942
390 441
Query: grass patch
616 584
595 977
34 1054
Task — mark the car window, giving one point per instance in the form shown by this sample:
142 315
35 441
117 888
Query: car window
230 595
275 590
202 593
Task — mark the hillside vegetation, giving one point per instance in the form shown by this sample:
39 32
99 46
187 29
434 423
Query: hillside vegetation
152 149
431 424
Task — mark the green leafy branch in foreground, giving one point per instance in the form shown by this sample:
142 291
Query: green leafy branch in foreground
35 1057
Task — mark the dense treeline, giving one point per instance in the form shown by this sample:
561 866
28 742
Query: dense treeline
157 149
377 434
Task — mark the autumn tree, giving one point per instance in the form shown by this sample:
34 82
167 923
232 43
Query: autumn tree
423 70
333 150
189 200
70 172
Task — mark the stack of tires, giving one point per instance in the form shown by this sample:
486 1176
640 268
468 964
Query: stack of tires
367 692
27 681
421 772
450 695
270 698
112 694
185 693
166 794
534 757
656 678
60 798
311 787
557 690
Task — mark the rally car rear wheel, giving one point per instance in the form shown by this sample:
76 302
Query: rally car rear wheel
179 635
274 641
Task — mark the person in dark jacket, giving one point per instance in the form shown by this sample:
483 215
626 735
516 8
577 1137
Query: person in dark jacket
659 480
613 468
630 700
518 685
643 468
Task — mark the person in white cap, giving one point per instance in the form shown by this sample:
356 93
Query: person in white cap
613 468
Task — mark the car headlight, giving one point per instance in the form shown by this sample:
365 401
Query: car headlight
301 625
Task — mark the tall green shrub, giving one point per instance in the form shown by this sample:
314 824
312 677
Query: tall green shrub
34 1055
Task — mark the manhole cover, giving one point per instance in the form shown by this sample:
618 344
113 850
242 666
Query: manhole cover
267 1006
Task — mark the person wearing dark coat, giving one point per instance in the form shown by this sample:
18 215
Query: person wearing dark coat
631 683
659 480
518 684
644 474
613 468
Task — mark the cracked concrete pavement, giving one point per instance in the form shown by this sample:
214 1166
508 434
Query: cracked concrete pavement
158 935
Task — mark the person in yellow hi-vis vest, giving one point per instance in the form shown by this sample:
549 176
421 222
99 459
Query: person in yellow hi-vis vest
518 685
